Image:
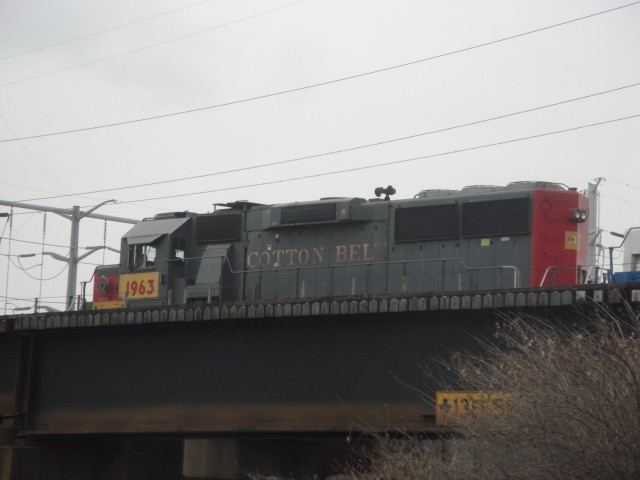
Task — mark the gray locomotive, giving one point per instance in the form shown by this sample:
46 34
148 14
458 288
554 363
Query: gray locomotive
525 234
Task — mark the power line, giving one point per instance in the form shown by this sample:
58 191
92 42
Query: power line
100 32
39 243
27 188
146 47
315 85
32 156
620 199
623 184
31 298
385 164
24 270
92 264
15 298
13 239
343 150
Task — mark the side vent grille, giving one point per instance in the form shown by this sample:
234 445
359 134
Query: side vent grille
496 217
224 227
433 222
295 214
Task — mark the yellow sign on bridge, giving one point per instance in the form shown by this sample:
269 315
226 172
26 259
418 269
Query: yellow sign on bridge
457 405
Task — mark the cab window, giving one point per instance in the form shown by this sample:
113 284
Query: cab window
142 256
177 252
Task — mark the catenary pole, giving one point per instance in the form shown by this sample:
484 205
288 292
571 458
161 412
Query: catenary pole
594 227
74 215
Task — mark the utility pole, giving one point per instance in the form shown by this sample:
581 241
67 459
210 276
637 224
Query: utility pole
74 215
594 228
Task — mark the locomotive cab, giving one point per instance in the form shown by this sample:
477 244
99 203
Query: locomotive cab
152 260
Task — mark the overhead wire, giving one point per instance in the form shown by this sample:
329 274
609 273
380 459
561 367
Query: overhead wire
385 164
24 270
100 32
28 188
338 151
39 243
44 234
6 286
626 200
5 228
32 156
19 299
15 298
623 184
22 267
315 85
146 47
36 161
26 220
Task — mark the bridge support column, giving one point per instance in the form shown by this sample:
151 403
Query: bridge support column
215 458
16 462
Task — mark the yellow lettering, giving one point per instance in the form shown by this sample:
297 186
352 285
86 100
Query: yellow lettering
341 253
318 254
277 254
265 259
354 254
253 264
291 252
365 253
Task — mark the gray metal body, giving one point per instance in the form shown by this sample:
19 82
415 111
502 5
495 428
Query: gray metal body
340 247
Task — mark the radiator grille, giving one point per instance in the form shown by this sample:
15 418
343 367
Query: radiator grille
496 217
224 227
433 222
294 214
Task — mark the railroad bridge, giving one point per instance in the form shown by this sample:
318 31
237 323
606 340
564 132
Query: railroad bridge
218 390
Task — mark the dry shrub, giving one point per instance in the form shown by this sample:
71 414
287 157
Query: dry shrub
574 411
407 458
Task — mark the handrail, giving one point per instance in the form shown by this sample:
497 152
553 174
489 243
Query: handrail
367 264
558 267
467 269
500 267
597 268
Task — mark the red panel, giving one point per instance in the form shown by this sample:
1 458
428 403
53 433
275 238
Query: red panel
559 246
105 283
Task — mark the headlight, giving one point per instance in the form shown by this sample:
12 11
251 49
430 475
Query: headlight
579 216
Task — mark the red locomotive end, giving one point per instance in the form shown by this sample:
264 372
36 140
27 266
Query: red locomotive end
105 287
559 237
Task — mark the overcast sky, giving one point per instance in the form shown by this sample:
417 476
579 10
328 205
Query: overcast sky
72 64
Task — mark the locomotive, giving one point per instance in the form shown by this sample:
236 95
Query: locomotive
525 234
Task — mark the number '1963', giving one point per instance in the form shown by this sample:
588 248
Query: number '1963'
139 285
